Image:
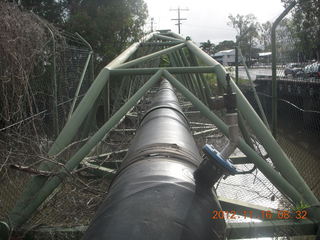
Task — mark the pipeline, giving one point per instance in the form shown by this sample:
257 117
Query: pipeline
155 195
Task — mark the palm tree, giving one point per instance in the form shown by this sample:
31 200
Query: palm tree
208 47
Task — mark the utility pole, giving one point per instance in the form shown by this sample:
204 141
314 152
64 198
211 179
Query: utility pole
152 19
179 19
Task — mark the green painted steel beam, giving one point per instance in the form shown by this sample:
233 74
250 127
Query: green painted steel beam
119 61
234 230
240 160
277 155
173 70
162 37
244 130
282 184
80 84
43 232
125 55
18 219
194 61
119 96
256 97
106 100
186 77
151 56
174 63
195 77
171 43
192 82
192 76
202 89
175 35
275 228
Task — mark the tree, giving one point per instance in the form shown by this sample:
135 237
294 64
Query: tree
265 35
225 45
208 47
108 25
246 24
286 41
305 24
242 23
52 10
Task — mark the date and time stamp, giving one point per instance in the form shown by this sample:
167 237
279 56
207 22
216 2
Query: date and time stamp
263 215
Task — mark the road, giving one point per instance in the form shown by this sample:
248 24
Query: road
258 71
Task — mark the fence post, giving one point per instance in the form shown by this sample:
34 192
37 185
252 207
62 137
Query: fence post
274 69
55 86
82 76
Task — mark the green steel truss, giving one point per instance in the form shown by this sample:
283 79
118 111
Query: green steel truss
183 63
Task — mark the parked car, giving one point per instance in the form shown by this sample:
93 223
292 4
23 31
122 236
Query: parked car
293 69
312 70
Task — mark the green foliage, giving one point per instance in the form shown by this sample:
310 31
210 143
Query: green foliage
265 35
242 23
306 28
225 45
286 40
297 35
211 78
108 25
248 28
208 47
301 206
52 10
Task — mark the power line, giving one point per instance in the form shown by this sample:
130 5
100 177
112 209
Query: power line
179 19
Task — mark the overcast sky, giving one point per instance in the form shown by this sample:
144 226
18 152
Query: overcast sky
207 19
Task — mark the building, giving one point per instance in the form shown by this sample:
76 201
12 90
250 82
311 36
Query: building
226 57
265 57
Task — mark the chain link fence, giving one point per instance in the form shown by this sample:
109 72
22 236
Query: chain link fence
253 187
41 67
298 121
54 84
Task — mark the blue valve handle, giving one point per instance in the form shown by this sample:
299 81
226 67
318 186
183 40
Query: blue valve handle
222 163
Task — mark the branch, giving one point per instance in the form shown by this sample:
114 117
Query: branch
31 170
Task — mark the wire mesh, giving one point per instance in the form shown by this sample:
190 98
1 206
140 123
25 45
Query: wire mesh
298 118
253 187
298 110
25 140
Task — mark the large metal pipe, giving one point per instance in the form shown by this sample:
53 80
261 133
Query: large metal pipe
154 195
